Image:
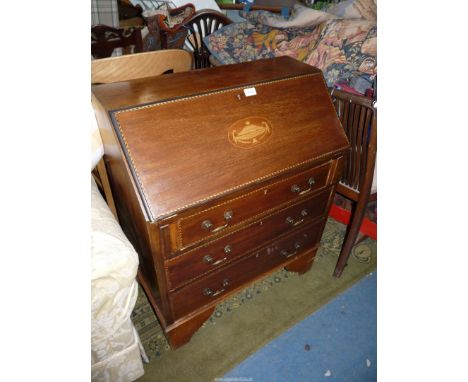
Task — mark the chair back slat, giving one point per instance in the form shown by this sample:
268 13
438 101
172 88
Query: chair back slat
352 139
200 25
357 115
344 122
360 143
369 114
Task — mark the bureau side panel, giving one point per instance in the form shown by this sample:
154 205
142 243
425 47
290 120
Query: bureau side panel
133 220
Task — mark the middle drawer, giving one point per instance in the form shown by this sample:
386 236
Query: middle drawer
196 262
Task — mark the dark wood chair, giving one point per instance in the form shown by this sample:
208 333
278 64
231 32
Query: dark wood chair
167 31
104 39
359 119
128 11
201 24
130 15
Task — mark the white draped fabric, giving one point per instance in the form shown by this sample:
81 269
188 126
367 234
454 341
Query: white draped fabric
116 350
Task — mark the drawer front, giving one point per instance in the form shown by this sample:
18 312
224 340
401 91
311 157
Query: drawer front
201 260
229 213
215 286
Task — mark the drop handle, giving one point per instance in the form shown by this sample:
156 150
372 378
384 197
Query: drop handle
208 224
288 254
209 292
209 260
297 190
290 221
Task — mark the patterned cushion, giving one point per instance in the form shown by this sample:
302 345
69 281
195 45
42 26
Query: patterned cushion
354 9
346 49
300 17
242 42
235 43
343 49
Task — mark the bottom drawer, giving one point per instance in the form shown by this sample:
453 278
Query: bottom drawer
214 287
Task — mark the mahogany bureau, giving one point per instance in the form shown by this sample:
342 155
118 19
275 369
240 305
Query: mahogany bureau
220 176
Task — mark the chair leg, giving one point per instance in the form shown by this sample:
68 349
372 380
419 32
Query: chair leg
351 235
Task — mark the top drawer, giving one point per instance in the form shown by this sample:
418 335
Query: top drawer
229 213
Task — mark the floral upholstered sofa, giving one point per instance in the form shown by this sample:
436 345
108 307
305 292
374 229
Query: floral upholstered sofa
341 41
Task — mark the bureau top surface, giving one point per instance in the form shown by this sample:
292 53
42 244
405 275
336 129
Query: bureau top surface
153 89
195 136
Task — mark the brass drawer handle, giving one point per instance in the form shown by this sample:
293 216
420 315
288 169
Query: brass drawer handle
209 292
297 190
288 254
209 260
290 221
208 224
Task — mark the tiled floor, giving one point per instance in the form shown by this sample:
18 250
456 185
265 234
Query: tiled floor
337 343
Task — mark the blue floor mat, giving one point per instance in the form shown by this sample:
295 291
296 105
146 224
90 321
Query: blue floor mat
336 343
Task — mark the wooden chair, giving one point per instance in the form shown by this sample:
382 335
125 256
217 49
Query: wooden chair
170 27
131 67
140 65
104 39
128 11
359 119
201 24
